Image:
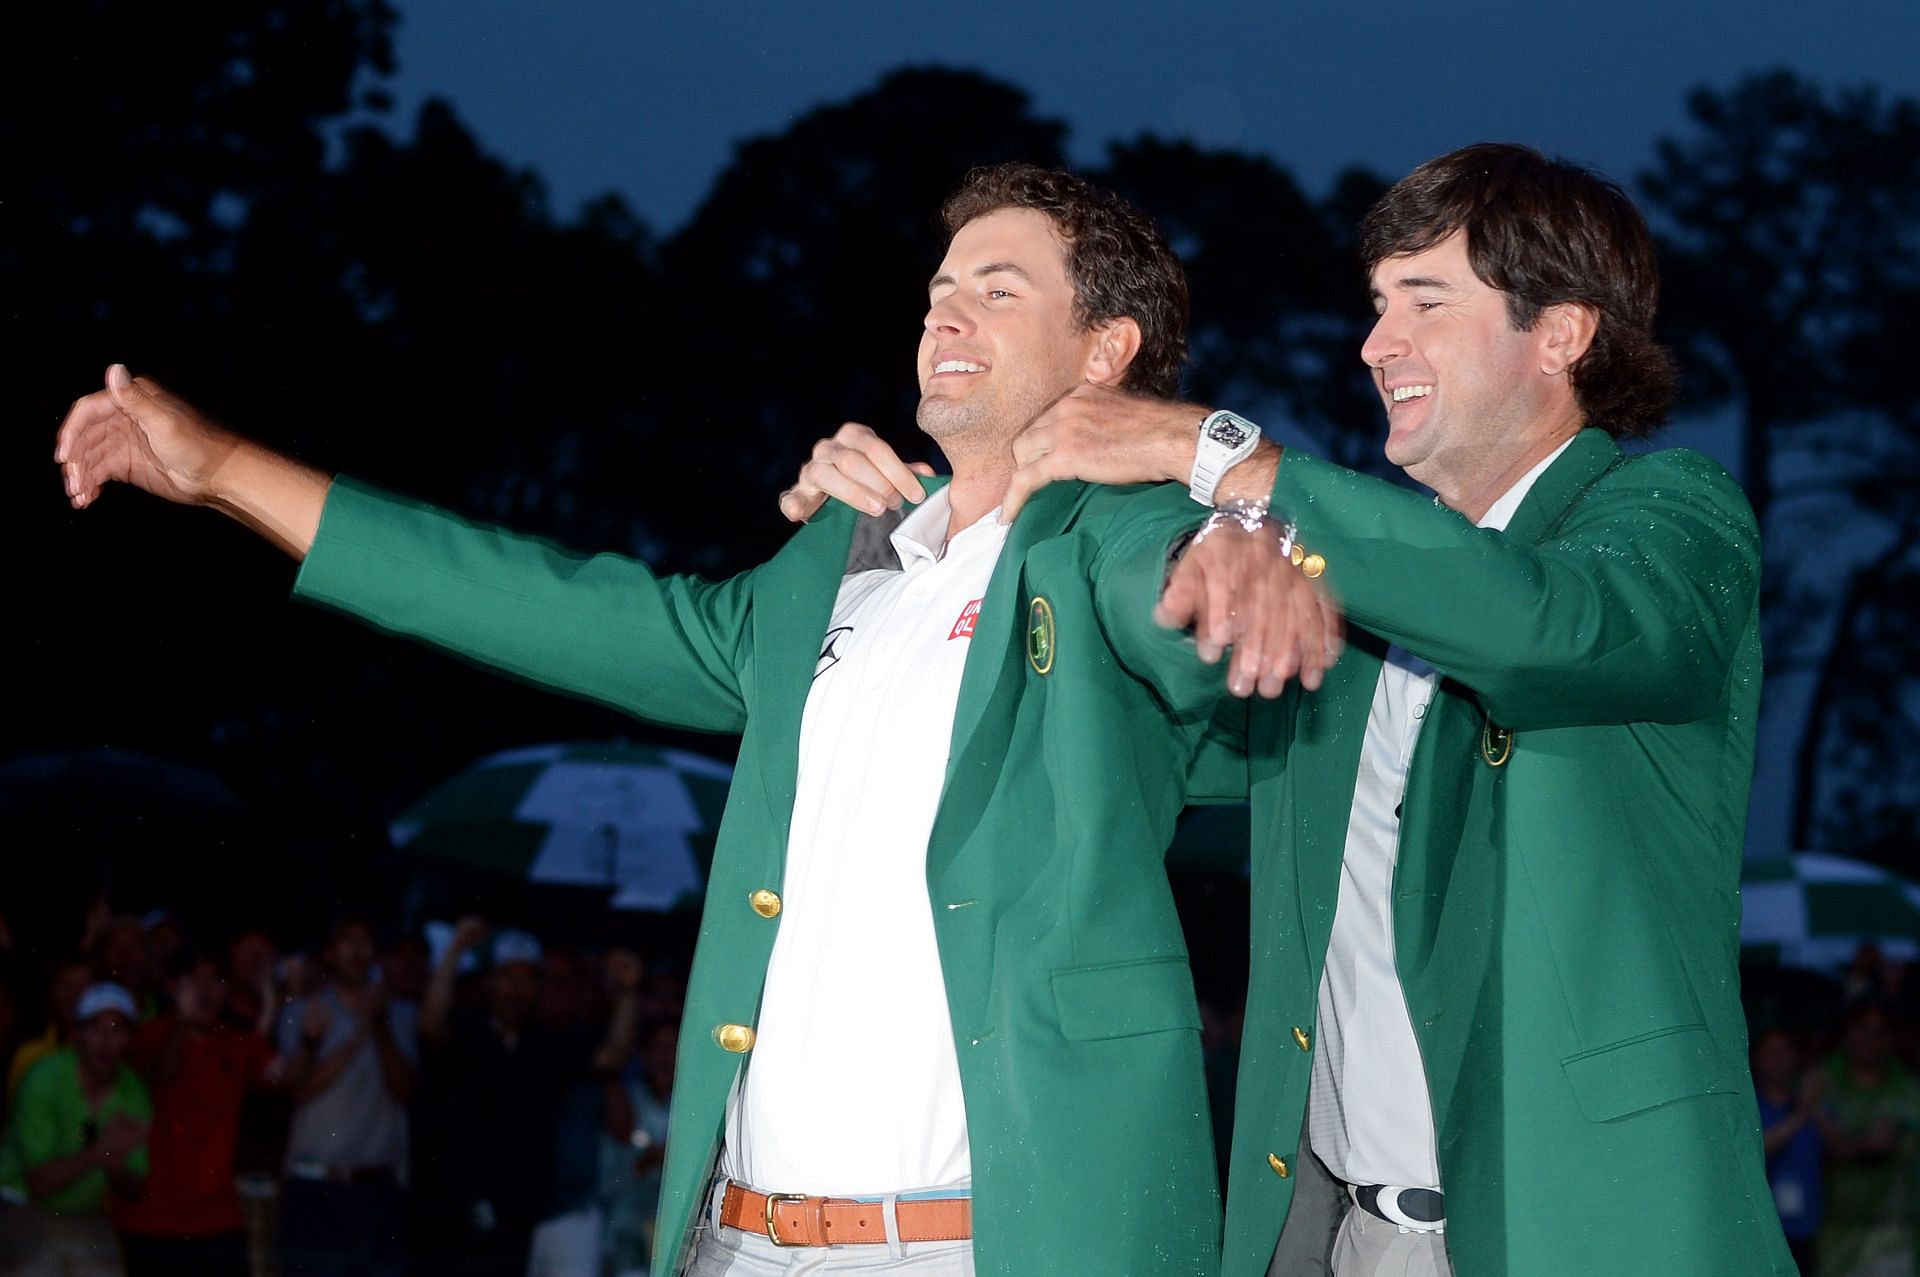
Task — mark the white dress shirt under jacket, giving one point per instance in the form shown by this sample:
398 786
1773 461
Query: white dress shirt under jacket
853 1087
1368 1113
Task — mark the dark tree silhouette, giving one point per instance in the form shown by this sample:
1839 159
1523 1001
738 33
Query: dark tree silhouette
799 286
1789 217
1279 302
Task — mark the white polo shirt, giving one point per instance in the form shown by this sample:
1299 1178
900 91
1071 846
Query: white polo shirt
1368 1113
853 1086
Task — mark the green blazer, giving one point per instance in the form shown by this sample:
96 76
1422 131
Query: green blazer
1567 894
1066 972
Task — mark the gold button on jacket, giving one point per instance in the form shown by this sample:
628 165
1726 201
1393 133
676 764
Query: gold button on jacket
737 1038
1279 1165
764 902
1300 1036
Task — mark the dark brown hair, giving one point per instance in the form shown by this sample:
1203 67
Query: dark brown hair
1118 261
1544 231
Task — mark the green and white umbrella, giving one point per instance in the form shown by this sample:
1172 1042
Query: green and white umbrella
1814 910
632 818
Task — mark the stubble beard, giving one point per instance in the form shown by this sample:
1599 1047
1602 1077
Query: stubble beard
942 419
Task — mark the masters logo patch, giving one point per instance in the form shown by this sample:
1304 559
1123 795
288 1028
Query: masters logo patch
1040 636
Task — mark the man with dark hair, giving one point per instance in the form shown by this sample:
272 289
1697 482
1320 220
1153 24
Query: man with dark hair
1119 265
1493 1021
937 921
352 1056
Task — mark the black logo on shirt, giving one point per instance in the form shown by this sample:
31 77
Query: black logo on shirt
830 650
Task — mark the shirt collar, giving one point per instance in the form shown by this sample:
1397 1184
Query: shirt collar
922 534
1501 512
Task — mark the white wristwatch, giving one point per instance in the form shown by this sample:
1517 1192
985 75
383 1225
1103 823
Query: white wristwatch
1226 439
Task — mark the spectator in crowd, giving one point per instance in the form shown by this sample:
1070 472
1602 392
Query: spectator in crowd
76 1141
165 937
567 1241
254 998
65 983
1792 1123
351 1055
404 966
1873 1153
493 1179
122 956
199 1068
252 993
636 1148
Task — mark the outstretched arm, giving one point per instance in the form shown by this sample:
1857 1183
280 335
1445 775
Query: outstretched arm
135 432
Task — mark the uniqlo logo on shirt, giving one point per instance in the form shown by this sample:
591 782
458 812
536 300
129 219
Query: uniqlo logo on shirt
963 628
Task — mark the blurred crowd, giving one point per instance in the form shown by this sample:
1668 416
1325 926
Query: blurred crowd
1840 1112
469 1100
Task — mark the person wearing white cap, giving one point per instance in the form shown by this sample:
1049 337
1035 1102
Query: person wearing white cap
77 1139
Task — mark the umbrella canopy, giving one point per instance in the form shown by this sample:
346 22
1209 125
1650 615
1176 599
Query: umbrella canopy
135 829
108 790
1815 910
632 818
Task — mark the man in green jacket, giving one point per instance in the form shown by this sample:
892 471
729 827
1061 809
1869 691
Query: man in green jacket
1493 1022
938 935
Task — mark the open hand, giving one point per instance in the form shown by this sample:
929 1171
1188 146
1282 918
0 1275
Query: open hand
135 432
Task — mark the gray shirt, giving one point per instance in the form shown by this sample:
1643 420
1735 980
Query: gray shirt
355 1124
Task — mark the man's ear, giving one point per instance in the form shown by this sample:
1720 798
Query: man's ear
1566 332
1115 344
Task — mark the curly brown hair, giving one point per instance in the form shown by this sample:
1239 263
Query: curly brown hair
1543 231
1117 258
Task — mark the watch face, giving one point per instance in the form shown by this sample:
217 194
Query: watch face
1228 432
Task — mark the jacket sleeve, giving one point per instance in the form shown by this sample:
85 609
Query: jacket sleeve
669 649
1629 610
1129 572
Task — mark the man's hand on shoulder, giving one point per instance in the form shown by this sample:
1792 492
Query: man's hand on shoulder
858 467
1238 590
1103 435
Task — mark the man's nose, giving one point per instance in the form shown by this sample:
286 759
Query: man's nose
947 316
1387 341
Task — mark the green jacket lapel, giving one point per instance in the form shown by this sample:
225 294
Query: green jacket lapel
990 685
1591 454
1000 639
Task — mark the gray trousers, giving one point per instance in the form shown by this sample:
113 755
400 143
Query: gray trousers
718 1251
1326 1235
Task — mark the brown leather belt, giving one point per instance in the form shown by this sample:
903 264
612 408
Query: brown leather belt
794 1219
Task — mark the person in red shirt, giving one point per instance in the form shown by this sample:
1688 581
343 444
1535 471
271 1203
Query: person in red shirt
199 1068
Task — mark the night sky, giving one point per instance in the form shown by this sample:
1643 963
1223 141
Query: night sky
648 96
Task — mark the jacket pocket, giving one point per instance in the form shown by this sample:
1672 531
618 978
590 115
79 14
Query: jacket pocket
1640 1073
1122 999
